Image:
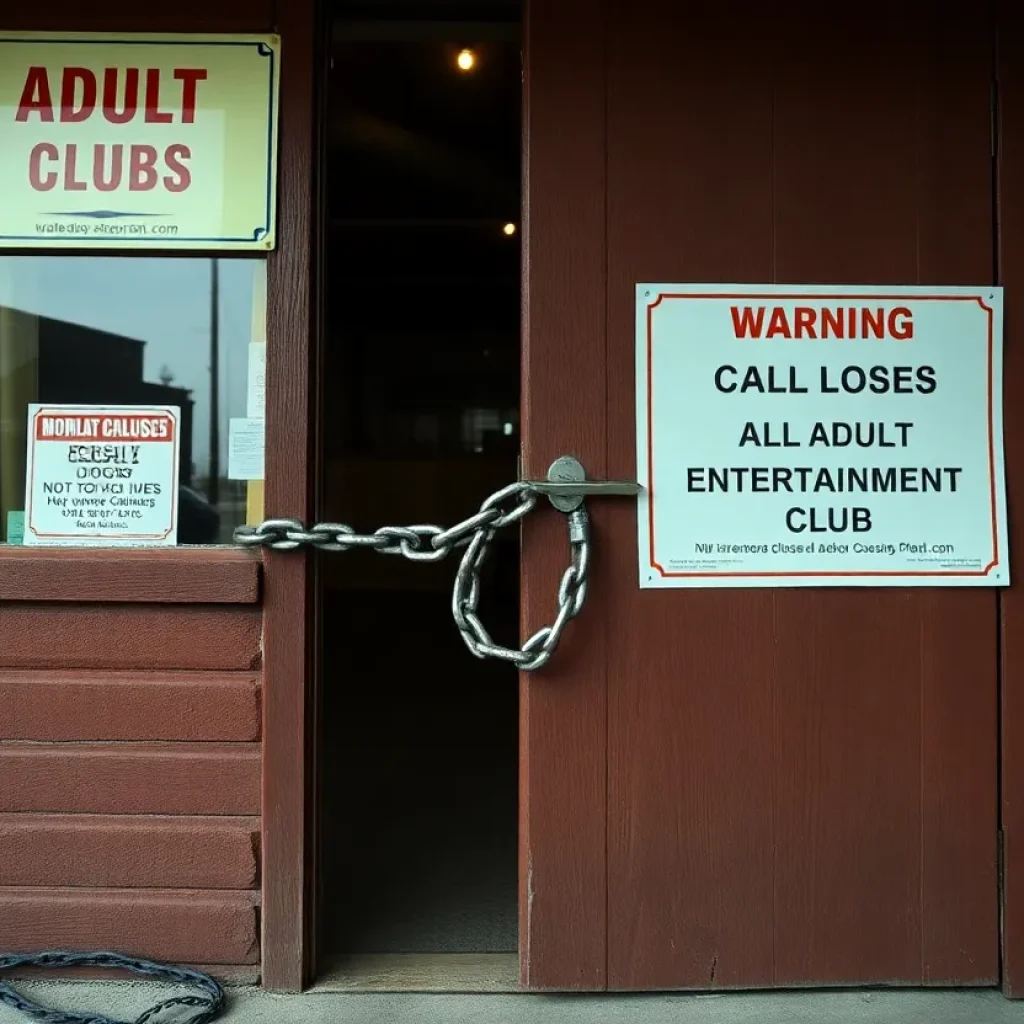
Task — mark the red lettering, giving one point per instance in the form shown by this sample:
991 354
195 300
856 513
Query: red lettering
841 322
901 323
876 323
142 176
804 319
100 179
35 159
832 323
154 115
35 96
190 79
110 94
71 183
180 177
745 323
68 90
112 166
778 325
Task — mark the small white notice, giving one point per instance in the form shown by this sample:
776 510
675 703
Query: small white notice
102 475
256 390
245 449
820 436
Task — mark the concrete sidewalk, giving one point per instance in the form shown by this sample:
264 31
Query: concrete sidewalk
252 1006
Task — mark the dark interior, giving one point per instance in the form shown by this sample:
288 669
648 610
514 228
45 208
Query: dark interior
420 423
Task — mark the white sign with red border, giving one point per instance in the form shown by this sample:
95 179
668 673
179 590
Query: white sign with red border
836 436
102 475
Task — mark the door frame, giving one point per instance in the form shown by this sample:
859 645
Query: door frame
1008 151
291 610
563 876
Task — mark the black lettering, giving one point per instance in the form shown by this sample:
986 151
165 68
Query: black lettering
718 479
750 436
824 482
903 380
842 435
817 527
726 388
856 479
926 378
781 479
752 380
879 379
791 525
854 380
884 479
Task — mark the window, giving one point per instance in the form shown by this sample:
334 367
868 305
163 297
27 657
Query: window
139 331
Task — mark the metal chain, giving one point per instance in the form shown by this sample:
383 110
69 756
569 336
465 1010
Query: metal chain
429 543
208 1005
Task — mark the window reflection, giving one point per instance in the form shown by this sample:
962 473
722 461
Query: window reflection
134 331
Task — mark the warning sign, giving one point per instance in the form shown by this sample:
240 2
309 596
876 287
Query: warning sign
820 436
138 141
101 476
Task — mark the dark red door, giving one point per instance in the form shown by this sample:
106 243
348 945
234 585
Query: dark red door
747 788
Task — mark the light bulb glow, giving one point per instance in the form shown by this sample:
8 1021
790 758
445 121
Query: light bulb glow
466 60
509 229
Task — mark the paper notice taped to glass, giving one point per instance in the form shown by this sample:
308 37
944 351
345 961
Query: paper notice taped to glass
245 448
256 391
102 475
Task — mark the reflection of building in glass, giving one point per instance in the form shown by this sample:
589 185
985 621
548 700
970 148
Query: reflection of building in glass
89 367
84 366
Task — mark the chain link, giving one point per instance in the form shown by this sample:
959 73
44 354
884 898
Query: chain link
428 543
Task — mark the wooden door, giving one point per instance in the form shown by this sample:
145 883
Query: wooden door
729 788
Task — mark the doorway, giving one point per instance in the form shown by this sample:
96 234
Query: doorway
419 740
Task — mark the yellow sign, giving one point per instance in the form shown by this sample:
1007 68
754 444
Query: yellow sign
138 141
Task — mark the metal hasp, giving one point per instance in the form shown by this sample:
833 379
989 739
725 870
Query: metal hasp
567 485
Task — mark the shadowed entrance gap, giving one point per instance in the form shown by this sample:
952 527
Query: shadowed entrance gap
420 760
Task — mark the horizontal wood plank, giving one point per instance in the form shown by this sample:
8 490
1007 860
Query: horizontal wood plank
89 705
171 926
233 975
164 576
125 852
181 778
201 637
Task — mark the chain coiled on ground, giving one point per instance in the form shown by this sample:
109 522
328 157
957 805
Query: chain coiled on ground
207 1006
430 543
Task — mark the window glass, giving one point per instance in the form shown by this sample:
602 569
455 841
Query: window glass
139 331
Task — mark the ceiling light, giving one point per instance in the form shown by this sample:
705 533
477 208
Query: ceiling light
509 229
466 60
